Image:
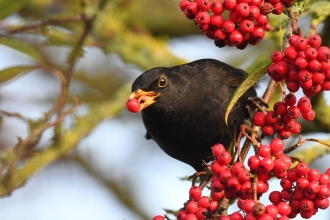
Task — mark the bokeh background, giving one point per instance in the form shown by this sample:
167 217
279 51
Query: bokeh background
112 172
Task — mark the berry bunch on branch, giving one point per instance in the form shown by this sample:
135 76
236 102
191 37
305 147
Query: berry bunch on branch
303 63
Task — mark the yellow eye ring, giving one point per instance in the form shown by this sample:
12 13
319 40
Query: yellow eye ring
162 82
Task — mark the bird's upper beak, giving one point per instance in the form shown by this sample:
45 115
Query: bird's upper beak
145 98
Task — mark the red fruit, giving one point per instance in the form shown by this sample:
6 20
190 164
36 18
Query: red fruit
301 169
225 176
323 53
280 108
318 78
230 4
192 8
280 167
236 37
268 130
247 188
181 215
243 176
204 202
234 184
278 8
292 86
258 33
296 128
306 214
191 207
213 206
281 68
259 119
278 125
312 91
275 197
325 86
271 117
277 56
310 53
217 149
292 175
321 203
255 2
283 208
254 12
292 39
306 204
219 34
266 164
286 183
290 99
224 158
304 75
228 26
195 192
202 17
191 217
246 26
306 84
309 116
215 22
324 179
325 66
158 217
204 5
248 205
290 52
199 214
258 210
300 62
233 16
254 162
313 175
264 151
217 7
242 9
133 105
314 65
283 133
237 168
293 74
262 20
287 194
304 105
300 44
236 216
183 4
313 187
217 168
276 145
294 112
314 40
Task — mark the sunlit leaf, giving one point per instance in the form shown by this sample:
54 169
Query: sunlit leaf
21 46
11 72
247 83
9 7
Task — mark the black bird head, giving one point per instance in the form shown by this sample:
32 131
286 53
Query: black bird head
183 107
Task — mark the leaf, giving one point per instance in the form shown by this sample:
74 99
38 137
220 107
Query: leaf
8 7
11 72
319 11
21 46
247 83
312 153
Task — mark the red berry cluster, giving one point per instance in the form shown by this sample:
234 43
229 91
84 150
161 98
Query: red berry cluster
304 63
246 24
282 118
304 190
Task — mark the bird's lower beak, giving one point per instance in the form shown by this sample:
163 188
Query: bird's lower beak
145 98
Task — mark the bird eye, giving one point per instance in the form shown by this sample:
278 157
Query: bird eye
162 82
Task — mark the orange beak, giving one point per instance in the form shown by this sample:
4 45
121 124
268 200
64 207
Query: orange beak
145 98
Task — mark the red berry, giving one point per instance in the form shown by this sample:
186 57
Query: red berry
255 2
266 164
228 26
230 4
278 125
275 197
310 53
325 86
296 128
277 56
302 169
292 86
309 116
258 209
323 53
283 133
216 22
244 176
313 175
306 204
259 119
217 149
321 203
191 217
133 105
278 8
183 4
280 108
262 20
272 211
195 192
217 168
264 151
191 207
204 5
246 26
224 158
318 78
304 105
158 217
181 215
192 8
258 33
300 62
242 9
204 202
236 216
217 7
254 162
291 53
268 130
199 214
292 39
202 17
314 40
294 112
324 179
276 145
219 34
283 208
287 194
286 183
235 37
213 206
248 205
290 99
300 44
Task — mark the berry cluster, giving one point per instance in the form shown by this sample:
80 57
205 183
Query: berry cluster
304 190
282 118
246 24
304 63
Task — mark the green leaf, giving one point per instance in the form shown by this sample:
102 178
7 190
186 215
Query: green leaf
11 72
247 83
319 11
21 46
9 7
310 154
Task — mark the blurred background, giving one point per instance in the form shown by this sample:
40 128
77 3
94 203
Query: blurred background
95 163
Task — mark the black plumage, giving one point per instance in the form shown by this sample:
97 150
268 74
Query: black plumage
183 107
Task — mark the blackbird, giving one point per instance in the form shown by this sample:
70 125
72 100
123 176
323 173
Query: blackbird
183 107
